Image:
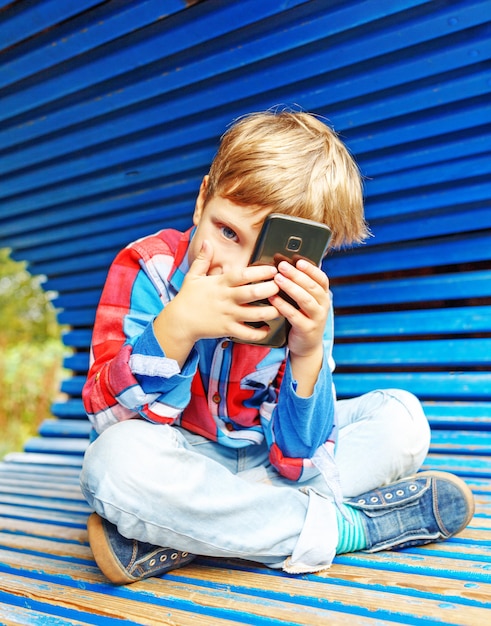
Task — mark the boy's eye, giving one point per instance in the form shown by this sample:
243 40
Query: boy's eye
228 233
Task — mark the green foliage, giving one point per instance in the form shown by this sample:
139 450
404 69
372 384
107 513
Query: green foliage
31 354
30 375
26 313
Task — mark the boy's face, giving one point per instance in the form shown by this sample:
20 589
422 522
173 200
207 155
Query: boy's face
231 229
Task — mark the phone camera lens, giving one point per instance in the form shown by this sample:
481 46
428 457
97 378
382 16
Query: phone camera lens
294 244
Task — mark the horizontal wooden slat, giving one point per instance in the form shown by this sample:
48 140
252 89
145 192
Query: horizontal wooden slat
48 504
73 519
456 416
86 280
42 459
77 317
427 352
70 409
73 385
458 320
65 428
426 385
77 362
55 445
77 338
448 286
30 471
34 19
474 467
441 251
461 442
39 488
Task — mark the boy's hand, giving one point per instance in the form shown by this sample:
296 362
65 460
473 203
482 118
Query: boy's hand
217 305
309 287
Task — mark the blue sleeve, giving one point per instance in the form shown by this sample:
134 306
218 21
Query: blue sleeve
158 374
300 425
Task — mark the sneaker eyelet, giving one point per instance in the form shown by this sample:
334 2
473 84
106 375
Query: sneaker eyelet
388 496
374 499
174 556
185 554
413 487
152 562
362 501
163 558
400 492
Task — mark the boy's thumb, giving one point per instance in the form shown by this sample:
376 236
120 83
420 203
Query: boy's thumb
201 263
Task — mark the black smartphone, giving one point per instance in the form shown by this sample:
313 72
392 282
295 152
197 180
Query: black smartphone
287 238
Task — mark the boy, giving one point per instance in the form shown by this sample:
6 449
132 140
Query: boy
212 447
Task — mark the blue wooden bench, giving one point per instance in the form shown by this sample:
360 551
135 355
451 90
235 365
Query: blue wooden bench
109 115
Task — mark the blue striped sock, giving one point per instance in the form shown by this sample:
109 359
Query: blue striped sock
351 536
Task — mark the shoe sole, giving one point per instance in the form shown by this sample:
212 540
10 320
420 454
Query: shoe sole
103 555
461 485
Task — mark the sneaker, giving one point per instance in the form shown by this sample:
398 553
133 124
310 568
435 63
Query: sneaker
124 560
427 507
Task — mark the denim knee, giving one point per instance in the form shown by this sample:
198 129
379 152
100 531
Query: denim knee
405 412
384 436
118 454
404 403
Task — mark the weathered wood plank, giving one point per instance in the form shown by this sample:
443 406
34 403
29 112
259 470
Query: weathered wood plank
48 547
468 443
236 589
412 289
451 385
424 352
56 445
37 528
479 551
437 586
456 320
65 428
97 608
45 515
477 466
33 458
404 561
41 490
22 470
52 504
319 585
12 615
162 601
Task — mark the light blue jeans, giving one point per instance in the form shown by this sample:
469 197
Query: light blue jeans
169 487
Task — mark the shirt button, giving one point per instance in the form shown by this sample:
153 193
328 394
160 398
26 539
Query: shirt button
225 344
216 398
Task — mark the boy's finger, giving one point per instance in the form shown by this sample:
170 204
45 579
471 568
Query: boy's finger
201 263
254 273
314 272
305 274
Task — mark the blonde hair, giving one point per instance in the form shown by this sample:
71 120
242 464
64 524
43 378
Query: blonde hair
294 164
